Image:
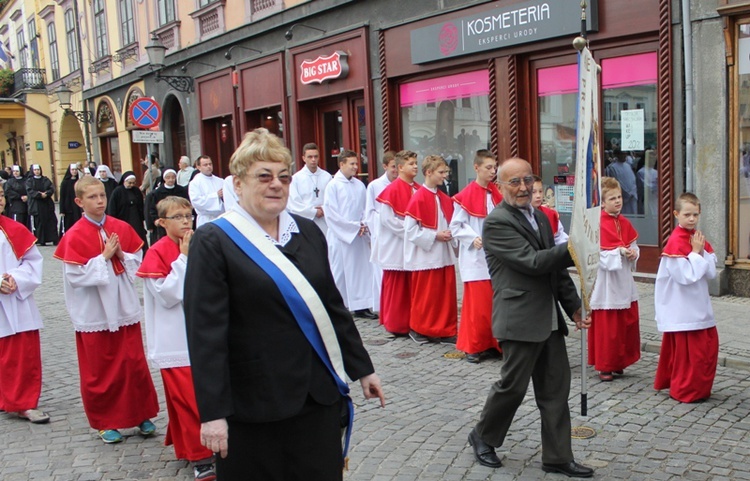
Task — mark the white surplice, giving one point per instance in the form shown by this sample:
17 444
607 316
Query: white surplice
99 300
19 312
465 228
306 193
204 195
422 250
681 292
372 219
230 197
348 252
166 336
615 287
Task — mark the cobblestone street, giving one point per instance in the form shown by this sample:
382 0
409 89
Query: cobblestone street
433 401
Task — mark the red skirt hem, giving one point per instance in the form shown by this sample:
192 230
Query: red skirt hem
395 301
20 371
116 386
475 327
687 364
434 310
614 338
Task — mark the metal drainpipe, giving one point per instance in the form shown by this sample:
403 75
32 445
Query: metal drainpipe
89 150
687 41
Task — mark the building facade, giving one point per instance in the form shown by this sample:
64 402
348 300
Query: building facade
434 76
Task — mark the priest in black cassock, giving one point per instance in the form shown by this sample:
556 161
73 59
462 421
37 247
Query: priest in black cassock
43 220
126 204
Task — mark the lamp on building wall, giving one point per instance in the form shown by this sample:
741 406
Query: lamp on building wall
63 95
184 67
156 52
289 33
228 53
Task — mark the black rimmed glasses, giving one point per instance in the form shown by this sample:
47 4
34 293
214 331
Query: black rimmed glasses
516 182
179 217
266 177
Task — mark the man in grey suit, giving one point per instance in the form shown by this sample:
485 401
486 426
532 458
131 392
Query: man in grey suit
530 283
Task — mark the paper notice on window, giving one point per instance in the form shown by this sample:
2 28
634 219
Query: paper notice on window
632 129
743 59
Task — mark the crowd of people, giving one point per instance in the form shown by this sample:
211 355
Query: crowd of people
256 380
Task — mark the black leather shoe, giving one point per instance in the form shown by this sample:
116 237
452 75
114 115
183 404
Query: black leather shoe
483 452
571 469
365 314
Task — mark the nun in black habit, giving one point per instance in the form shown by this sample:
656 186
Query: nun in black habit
110 183
126 204
43 220
69 210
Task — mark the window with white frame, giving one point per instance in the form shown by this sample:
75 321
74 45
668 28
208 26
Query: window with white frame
126 22
21 45
54 60
166 11
33 44
100 29
71 39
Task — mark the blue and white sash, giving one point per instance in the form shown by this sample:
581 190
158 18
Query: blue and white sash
303 301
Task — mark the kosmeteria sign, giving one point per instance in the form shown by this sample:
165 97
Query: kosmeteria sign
501 27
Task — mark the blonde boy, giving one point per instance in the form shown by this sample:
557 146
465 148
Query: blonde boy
163 273
428 254
690 344
100 256
614 336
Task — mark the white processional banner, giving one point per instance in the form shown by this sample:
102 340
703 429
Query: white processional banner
584 227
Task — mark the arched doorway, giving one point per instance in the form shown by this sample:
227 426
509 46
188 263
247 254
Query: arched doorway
109 144
72 146
175 133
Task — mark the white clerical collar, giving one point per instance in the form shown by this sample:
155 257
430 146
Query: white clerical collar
287 225
431 189
98 224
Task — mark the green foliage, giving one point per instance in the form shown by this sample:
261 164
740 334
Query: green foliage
6 82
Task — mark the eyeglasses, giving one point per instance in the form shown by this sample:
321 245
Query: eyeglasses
265 178
516 182
181 217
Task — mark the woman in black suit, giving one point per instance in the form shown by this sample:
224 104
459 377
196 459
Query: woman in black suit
267 402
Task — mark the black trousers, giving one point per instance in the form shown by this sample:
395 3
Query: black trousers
546 363
304 447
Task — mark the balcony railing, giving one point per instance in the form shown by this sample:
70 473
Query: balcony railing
29 78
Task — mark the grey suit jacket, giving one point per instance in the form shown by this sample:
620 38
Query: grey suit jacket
529 276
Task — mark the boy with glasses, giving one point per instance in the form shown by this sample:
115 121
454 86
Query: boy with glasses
163 273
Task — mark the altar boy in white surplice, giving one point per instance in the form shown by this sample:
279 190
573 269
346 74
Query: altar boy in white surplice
348 238
308 185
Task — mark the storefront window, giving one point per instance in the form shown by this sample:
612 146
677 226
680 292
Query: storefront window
629 121
744 143
448 116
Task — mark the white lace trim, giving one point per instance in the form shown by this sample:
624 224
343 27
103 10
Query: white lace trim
104 326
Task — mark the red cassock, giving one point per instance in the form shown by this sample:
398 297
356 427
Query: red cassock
614 340
434 310
184 427
395 297
687 364
475 329
116 386
20 354
688 359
